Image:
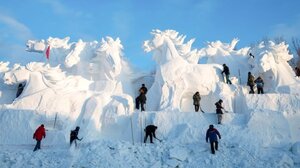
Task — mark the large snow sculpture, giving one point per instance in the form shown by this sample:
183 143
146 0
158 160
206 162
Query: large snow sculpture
91 60
271 62
177 72
268 60
88 86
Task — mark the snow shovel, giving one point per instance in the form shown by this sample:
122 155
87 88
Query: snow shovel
201 110
226 111
158 139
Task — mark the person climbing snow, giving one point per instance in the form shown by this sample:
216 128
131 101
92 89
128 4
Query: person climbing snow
197 98
141 99
251 55
38 136
260 85
219 111
297 71
251 83
20 89
74 136
212 134
227 73
150 131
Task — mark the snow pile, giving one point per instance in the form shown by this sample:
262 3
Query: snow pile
91 85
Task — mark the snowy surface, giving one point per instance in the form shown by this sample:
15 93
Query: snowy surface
92 85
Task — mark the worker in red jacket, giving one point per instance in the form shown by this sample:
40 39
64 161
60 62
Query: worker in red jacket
38 136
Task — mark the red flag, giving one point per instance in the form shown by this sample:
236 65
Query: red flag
48 52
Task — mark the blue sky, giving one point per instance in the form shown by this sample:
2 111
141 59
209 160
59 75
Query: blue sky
133 20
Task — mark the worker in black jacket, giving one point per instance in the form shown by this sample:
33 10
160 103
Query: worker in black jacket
141 99
74 136
150 131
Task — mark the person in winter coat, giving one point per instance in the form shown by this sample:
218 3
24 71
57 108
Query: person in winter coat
297 71
74 136
141 99
197 98
219 111
20 89
212 134
260 85
250 82
150 131
227 73
38 136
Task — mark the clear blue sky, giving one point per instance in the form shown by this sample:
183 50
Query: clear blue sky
132 21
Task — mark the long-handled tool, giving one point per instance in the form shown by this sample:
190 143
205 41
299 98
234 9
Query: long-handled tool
158 139
201 108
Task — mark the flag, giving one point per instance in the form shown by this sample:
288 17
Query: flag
48 52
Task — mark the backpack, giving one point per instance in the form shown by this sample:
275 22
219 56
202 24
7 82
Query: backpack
259 84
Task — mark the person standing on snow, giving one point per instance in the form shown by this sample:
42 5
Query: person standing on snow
38 136
227 73
250 82
74 136
20 89
297 71
212 134
150 131
260 85
141 99
219 111
197 98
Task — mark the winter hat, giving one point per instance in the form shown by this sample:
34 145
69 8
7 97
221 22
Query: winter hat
211 126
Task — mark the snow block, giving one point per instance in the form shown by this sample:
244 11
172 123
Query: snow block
179 153
172 162
288 103
262 126
286 161
296 148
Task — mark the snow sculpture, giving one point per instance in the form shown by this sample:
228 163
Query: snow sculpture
108 58
37 76
271 62
177 73
94 71
91 60
225 53
4 67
